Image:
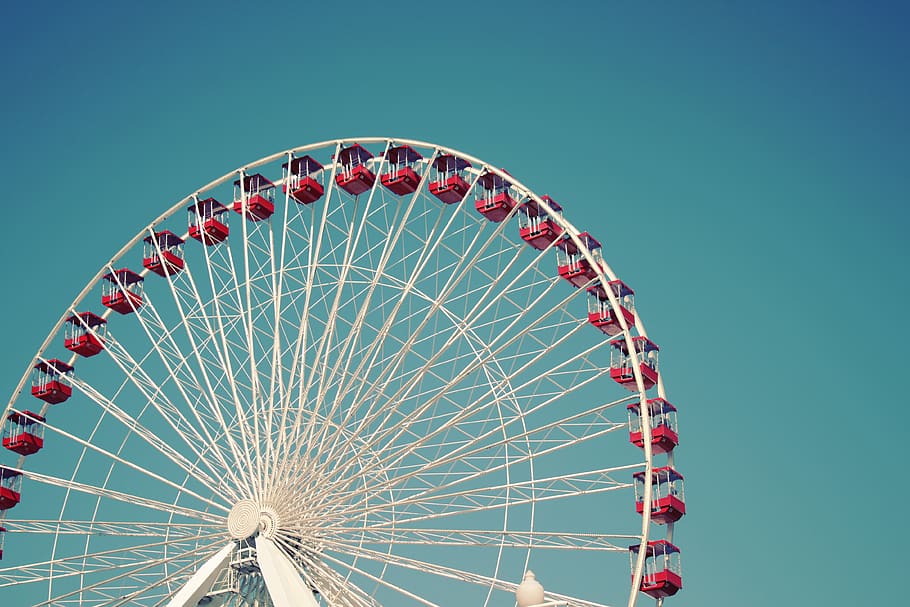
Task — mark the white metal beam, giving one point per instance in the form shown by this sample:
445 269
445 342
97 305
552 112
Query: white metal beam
286 587
201 582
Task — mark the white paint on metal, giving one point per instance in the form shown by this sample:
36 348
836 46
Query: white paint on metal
286 587
201 582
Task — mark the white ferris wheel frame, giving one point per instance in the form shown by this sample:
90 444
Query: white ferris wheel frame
281 575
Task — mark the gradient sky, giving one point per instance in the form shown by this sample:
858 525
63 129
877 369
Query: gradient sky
745 165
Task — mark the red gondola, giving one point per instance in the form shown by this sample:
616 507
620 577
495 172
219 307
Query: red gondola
668 500
255 198
573 266
401 178
208 222
84 334
600 312
448 183
50 381
23 433
662 575
538 228
10 488
122 291
621 369
497 202
170 259
354 177
664 433
300 177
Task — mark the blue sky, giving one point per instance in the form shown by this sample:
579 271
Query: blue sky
745 165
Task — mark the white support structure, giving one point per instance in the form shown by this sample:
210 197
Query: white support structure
286 587
201 582
353 374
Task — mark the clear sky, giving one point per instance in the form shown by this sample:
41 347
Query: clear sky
744 163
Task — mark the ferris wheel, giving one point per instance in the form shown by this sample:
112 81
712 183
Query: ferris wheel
355 373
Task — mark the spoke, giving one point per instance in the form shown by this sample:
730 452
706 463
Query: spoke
127 498
225 358
109 528
523 540
300 345
277 273
246 313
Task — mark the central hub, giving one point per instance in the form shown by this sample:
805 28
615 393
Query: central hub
248 517
268 521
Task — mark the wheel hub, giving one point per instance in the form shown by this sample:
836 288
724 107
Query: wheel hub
248 517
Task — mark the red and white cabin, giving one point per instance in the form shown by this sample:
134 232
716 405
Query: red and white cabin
600 311
121 291
448 183
302 177
621 362
51 381
254 197
84 334
662 574
537 227
401 178
497 201
10 488
353 176
208 222
163 253
664 432
668 500
573 266
23 432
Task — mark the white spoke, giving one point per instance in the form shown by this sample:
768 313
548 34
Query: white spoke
109 528
523 540
118 496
